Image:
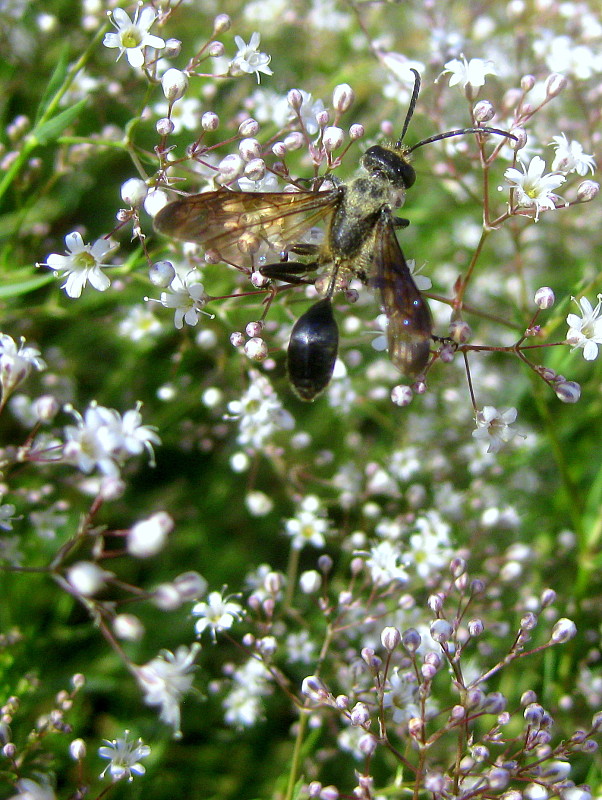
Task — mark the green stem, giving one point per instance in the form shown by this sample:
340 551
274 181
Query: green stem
295 764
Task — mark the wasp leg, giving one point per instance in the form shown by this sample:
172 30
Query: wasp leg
400 222
289 271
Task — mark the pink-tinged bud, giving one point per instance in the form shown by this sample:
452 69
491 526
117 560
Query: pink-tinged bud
483 111
548 596
164 126
221 23
210 121
460 331
475 627
411 640
256 349
521 138
46 407
360 716
528 621
329 793
128 628
333 138
568 391
342 97
533 714
161 273
172 48
544 297
249 127
458 713
295 99
216 49
174 83
441 631
230 168
587 190
249 148
402 395
555 84
341 701
498 778
190 585
390 638
415 728
527 82
255 170
564 630
435 603
457 567
134 191
356 131
323 118
314 789
313 688
254 328
428 671
237 338
367 744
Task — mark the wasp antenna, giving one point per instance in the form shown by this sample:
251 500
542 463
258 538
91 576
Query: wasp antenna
461 132
411 107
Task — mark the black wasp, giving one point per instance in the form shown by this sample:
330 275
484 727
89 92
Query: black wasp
360 242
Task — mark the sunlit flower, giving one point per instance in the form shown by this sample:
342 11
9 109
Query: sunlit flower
308 526
16 363
165 679
217 614
469 73
570 157
133 35
494 427
429 549
124 757
533 189
586 331
402 695
248 60
187 295
307 112
259 412
384 564
250 683
83 263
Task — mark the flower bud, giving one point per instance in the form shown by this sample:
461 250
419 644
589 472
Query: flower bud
555 84
356 131
564 630
216 49
333 138
128 628
221 24
342 97
230 168
360 715
134 191
367 744
256 349
161 273
249 148
587 190
295 99
441 631
390 638
249 127
310 581
174 83
411 640
209 121
483 111
568 391
475 627
402 395
527 82
544 297
164 126
77 749
172 48
255 169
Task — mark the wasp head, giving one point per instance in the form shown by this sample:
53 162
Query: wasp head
391 164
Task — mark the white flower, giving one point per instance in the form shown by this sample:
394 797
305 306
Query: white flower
429 549
248 59
469 73
188 297
586 331
259 412
401 66
124 757
83 263
166 679
309 525
104 439
133 35
570 157
493 427
307 112
402 696
30 790
533 189
250 683
217 614
16 363
383 563
139 324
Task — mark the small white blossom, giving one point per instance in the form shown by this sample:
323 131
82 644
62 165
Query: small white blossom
384 564
250 683
83 263
248 60
166 679
16 363
586 331
494 427
429 549
133 35
533 189
124 757
402 696
104 439
570 157
468 73
188 297
308 526
259 412
307 112
217 614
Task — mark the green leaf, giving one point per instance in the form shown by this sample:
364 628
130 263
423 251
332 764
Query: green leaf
52 129
55 82
23 287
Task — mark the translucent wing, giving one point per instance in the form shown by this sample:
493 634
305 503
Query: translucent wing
235 223
410 322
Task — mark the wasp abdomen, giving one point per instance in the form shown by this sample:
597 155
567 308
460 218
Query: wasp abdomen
312 350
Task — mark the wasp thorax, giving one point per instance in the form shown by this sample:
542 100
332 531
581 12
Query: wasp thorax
391 164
